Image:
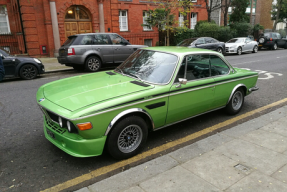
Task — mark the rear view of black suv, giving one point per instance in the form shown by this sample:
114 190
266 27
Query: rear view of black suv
271 40
92 50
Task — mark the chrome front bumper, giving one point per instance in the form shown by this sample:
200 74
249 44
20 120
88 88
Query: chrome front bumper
253 89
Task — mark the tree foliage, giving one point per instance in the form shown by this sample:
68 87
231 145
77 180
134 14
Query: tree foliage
224 8
238 14
279 12
165 15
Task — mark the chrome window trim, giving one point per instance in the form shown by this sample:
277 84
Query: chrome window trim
207 53
123 113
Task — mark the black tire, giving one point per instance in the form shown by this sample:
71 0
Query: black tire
120 142
239 51
28 72
93 64
275 46
219 50
255 49
236 102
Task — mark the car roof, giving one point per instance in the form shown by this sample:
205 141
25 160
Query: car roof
178 50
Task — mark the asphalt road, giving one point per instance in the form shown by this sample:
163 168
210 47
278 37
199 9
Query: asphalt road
29 162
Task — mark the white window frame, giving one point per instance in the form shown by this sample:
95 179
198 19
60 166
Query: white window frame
193 20
7 20
123 28
181 20
193 1
145 16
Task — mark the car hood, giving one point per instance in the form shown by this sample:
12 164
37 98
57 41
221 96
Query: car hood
81 91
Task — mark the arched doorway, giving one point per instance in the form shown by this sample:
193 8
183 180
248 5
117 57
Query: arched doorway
77 20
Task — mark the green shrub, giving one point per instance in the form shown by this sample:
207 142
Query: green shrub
242 29
282 33
183 34
208 30
225 34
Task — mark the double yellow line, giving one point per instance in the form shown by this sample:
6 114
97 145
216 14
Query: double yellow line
115 166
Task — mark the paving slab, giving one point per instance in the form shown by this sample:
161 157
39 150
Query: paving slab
134 189
253 156
200 147
267 139
279 127
277 114
258 182
134 175
215 168
281 174
247 127
177 179
85 189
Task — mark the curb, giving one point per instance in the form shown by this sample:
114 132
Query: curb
57 71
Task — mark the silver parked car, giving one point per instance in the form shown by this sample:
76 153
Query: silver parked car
240 45
92 50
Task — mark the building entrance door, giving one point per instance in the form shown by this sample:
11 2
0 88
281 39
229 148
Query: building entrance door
77 20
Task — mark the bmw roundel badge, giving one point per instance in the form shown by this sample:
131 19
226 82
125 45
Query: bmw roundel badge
42 99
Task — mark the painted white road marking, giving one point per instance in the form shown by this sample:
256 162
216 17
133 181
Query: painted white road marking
269 75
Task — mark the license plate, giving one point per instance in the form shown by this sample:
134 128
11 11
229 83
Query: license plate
50 134
260 45
62 51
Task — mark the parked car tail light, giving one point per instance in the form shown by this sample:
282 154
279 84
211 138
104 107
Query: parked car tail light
85 126
271 39
71 51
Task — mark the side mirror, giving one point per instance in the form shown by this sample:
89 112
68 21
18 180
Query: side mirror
125 43
181 82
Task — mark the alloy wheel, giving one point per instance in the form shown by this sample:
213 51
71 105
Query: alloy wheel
237 100
130 138
28 72
94 64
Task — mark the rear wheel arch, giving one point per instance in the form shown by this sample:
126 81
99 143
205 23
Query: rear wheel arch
235 88
95 55
131 112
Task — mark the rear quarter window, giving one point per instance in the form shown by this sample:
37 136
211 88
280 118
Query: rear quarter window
69 41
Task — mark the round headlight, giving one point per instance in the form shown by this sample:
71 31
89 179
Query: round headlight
60 121
69 126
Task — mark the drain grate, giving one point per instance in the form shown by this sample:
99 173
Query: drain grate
242 168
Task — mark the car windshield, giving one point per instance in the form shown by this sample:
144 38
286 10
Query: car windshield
235 41
186 42
267 34
150 66
69 41
4 53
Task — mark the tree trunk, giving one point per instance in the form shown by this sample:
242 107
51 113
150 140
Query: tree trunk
167 31
251 10
279 2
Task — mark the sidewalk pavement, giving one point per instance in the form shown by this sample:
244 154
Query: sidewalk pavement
249 157
51 65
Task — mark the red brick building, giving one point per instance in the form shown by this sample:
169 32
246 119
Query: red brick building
47 23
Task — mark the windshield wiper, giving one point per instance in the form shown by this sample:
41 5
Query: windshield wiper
121 71
132 74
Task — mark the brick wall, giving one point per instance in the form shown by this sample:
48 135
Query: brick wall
263 16
38 25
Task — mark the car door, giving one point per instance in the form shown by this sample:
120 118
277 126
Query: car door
200 43
122 48
9 66
248 45
103 46
220 71
281 42
197 95
209 44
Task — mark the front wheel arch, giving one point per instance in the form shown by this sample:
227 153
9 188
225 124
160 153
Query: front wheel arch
131 112
25 64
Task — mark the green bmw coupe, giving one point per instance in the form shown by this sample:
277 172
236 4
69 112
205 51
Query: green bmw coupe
154 88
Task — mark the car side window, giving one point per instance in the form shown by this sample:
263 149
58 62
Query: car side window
197 67
247 40
274 35
101 39
208 40
214 41
117 40
218 66
200 41
278 36
87 40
